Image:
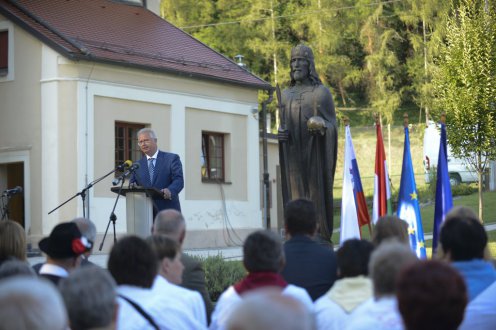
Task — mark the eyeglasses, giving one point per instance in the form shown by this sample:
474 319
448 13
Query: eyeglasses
146 141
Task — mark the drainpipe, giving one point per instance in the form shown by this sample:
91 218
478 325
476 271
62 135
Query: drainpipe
266 182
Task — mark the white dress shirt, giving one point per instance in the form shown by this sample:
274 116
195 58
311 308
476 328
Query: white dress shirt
163 310
188 300
230 298
381 314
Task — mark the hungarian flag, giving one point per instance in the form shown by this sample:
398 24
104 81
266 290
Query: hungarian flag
444 199
382 191
408 205
354 213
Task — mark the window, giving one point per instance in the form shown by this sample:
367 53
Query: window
126 143
4 53
212 157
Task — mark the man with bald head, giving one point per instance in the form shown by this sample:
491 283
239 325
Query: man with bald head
171 223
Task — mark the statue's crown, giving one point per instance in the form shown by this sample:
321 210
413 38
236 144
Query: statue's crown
302 51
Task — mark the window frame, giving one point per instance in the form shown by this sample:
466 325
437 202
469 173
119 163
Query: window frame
8 73
206 168
130 148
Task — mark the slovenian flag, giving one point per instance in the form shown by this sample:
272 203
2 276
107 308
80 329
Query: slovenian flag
354 213
382 191
408 205
444 199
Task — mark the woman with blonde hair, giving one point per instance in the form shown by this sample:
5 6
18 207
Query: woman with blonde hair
390 227
12 241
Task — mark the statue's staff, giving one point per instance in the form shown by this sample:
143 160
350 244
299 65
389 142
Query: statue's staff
283 147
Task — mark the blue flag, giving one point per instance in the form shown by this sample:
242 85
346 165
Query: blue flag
444 199
408 206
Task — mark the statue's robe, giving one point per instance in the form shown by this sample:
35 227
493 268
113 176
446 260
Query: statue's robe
309 162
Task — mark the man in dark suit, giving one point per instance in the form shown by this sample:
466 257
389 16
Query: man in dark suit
308 264
171 224
160 170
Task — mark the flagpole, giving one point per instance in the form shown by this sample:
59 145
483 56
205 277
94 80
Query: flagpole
389 148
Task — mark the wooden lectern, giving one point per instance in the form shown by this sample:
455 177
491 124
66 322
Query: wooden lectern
139 209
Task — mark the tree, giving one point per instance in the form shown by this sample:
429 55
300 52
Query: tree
381 41
425 22
465 84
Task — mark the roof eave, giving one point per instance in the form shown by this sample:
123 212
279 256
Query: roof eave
180 73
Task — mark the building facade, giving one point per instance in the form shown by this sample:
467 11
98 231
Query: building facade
72 100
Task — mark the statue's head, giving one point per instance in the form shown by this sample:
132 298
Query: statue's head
305 52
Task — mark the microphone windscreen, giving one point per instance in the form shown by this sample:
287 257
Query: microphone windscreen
128 163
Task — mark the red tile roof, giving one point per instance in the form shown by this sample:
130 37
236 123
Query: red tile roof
123 34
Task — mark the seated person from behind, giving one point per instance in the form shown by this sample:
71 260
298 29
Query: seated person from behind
463 242
352 289
308 264
263 258
169 277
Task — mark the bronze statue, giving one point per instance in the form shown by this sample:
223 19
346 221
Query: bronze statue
308 139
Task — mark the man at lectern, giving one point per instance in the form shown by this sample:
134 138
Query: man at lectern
159 169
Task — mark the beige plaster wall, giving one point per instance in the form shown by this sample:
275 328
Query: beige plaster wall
109 110
67 150
156 81
235 146
20 114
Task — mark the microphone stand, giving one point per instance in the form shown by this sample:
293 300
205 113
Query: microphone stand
113 217
82 193
5 208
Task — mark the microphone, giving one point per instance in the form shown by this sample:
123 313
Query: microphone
124 165
13 191
130 170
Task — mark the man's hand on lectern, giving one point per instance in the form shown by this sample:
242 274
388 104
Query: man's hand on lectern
167 193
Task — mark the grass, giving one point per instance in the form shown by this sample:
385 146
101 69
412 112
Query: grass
364 140
427 213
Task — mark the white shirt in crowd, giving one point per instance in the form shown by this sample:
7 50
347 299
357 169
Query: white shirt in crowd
188 300
381 314
336 308
230 298
164 309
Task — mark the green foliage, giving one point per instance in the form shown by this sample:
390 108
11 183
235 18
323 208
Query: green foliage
463 189
381 42
376 55
221 273
465 84
433 183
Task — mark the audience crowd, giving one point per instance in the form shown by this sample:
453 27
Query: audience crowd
296 284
